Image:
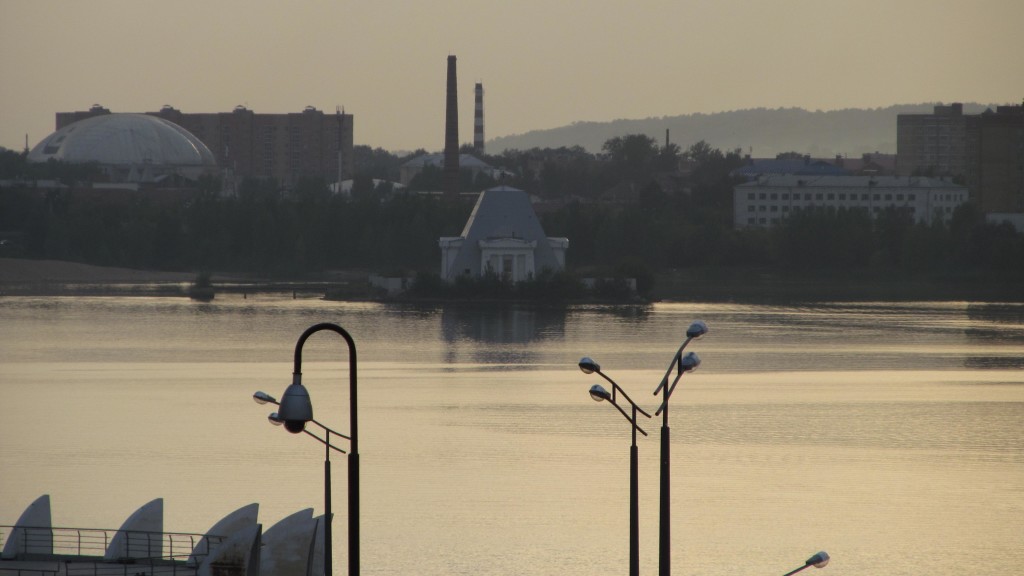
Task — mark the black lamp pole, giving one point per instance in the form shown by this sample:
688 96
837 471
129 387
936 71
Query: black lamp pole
328 516
598 393
295 410
353 456
634 503
275 419
681 364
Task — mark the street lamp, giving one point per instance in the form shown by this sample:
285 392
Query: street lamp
819 560
599 394
681 364
275 419
295 410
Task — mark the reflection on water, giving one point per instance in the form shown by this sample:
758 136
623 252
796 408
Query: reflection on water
936 430
502 324
1012 314
862 429
499 334
995 362
998 323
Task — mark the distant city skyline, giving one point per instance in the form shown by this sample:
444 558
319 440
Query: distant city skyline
543 64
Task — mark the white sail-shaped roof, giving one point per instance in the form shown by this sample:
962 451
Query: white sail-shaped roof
141 535
241 519
31 533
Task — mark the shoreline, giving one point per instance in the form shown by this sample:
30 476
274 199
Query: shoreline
20 277
766 286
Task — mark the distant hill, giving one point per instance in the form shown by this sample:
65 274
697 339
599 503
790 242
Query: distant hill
761 132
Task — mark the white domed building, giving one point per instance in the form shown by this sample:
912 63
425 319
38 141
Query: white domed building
130 148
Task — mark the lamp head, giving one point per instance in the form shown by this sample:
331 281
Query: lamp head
697 329
296 408
598 393
275 419
263 398
588 366
819 560
295 426
689 362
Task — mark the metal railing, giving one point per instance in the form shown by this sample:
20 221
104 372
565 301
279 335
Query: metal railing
137 546
96 567
29 571
143 567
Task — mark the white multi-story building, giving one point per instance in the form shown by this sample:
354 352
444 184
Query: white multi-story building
769 199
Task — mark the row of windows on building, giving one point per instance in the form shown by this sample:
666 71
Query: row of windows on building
785 208
778 212
829 196
864 197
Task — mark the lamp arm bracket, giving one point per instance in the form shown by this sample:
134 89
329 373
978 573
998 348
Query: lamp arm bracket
627 417
797 570
617 388
325 442
329 430
668 394
675 362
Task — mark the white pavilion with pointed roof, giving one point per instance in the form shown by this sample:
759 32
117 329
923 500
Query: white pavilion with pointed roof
503 236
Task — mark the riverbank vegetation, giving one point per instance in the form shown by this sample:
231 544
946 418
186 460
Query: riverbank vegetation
654 213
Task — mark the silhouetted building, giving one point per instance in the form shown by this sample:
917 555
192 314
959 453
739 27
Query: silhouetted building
285 147
769 199
936 144
985 150
467 163
503 236
805 166
999 177
130 149
869 164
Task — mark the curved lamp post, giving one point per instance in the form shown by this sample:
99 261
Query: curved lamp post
599 394
275 419
681 364
295 410
819 560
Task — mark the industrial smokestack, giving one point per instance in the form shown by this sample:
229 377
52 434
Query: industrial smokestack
478 120
451 133
340 116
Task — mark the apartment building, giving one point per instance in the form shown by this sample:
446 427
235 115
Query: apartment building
285 147
767 200
984 151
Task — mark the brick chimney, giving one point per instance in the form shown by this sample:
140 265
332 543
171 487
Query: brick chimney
478 120
451 134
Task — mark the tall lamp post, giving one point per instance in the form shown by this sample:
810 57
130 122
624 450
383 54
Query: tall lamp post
598 393
275 419
296 409
819 560
681 364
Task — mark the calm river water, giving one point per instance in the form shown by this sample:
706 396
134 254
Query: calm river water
890 435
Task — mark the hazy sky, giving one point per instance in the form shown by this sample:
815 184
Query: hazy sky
544 63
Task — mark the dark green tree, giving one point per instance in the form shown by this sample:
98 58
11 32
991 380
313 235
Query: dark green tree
631 157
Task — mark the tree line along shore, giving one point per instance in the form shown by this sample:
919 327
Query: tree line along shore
628 212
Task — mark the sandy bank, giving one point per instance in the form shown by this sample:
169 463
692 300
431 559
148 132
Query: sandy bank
16 271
